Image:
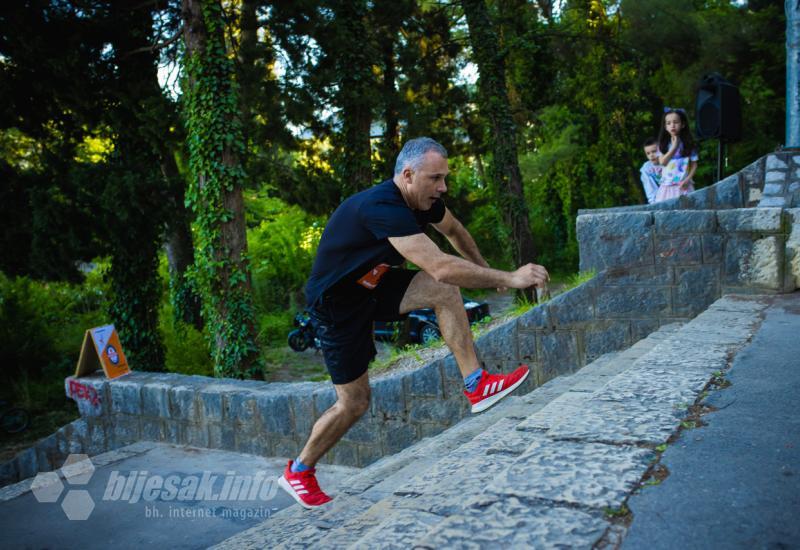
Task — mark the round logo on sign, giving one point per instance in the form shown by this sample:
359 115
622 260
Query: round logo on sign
112 354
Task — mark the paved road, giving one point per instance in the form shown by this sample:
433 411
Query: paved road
735 483
129 518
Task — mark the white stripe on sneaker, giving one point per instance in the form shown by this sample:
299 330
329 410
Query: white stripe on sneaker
485 391
494 385
295 482
302 492
500 385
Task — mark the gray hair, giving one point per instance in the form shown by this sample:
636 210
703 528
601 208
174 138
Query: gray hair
414 150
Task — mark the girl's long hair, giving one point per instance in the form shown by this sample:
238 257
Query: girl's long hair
685 134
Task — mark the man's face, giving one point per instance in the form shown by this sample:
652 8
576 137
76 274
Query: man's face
426 183
651 152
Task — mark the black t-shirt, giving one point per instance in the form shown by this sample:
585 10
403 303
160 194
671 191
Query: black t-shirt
356 237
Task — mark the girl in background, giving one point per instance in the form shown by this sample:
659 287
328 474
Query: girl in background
678 155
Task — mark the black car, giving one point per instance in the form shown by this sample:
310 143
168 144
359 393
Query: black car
422 324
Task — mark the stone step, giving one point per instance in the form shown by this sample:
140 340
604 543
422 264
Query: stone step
534 487
397 488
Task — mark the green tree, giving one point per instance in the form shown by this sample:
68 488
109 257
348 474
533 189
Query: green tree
495 106
215 148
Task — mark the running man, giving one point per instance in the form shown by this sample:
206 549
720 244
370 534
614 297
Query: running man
357 278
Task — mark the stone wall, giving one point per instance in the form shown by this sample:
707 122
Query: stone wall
655 265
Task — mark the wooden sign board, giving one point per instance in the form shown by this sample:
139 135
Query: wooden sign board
101 349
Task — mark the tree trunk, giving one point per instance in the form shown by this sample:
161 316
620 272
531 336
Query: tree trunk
792 73
215 144
391 136
494 103
356 95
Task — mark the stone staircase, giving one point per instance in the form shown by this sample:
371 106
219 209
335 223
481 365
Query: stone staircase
545 469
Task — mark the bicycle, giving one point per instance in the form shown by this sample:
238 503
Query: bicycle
13 420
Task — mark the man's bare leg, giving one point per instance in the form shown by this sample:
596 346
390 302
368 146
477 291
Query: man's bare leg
352 402
425 291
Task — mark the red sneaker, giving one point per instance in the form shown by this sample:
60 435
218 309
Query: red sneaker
303 487
493 387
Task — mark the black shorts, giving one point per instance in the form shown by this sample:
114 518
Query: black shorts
344 322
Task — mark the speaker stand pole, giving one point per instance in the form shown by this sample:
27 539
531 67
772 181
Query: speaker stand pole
720 158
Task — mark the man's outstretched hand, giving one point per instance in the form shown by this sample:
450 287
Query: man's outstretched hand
529 275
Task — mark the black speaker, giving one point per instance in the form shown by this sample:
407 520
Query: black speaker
718 110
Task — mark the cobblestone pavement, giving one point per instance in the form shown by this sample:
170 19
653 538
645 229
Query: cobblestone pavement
548 469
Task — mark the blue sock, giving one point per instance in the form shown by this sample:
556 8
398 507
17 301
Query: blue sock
471 381
298 466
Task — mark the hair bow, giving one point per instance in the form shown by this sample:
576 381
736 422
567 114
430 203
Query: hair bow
676 109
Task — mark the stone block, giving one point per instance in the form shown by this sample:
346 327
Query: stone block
125 429
8 473
574 306
753 174
559 351
702 199
756 263
155 400
365 430
712 248
536 318
615 240
637 276
773 189
153 429
766 220
242 408
97 439
773 202
453 380
323 400
302 407
425 381
197 435
685 221
125 397
47 456
221 436
753 197
526 346
499 342
182 403
697 288
679 250
399 435
728 193
547 471
256 444
793 251
210 404
445 411
515 524
275 414
429 429
367 454
775 162
641 328
27 463
605 337
388 396
344 453
635 302
774 180
283 447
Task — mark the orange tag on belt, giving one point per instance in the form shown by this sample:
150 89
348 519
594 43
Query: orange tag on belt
373 276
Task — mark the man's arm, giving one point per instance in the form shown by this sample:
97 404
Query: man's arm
422 251
460 238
